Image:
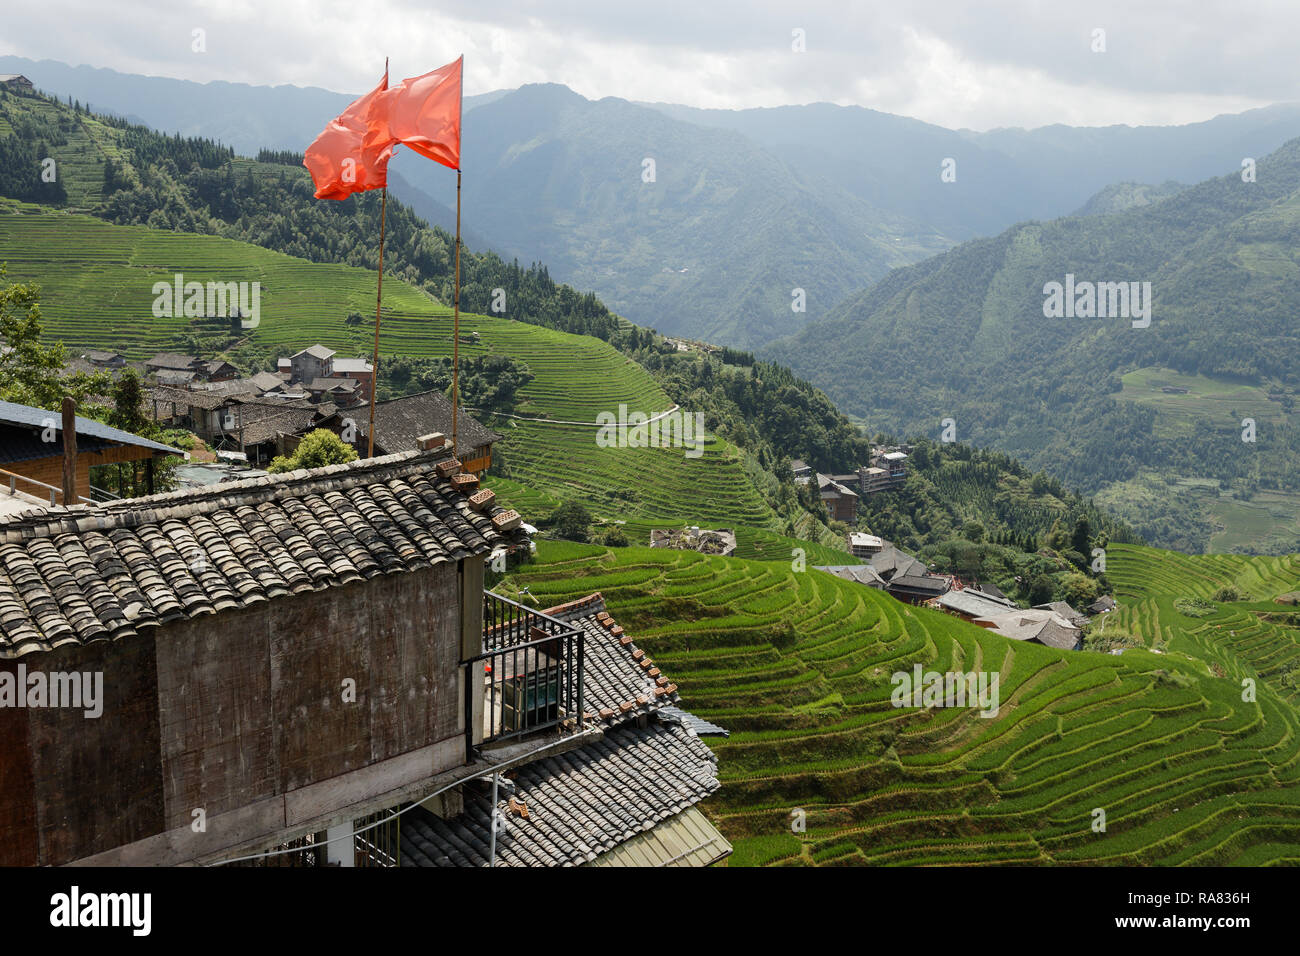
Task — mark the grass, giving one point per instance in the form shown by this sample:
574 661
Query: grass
798 665
1215 402
97 292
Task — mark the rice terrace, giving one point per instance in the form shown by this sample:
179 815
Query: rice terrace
797 667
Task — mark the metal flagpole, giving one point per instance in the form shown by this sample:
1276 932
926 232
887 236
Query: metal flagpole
379 298
455 334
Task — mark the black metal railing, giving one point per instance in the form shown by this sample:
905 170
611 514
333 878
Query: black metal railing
528 677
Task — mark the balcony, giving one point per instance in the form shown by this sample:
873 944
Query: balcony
526 680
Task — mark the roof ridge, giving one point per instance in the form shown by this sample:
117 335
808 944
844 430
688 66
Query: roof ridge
130 512
579 607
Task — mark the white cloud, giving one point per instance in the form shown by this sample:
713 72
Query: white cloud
1021 63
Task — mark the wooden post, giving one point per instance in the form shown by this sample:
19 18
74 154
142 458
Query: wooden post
69 452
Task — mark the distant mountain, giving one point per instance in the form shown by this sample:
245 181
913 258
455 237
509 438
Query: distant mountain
714 246
1002 176
1121 196
1151 419
243 117
747 206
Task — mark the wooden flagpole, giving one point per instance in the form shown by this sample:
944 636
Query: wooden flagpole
379 301
455 334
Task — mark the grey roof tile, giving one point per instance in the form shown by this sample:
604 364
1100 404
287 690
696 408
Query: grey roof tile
90 573
580 804
616 684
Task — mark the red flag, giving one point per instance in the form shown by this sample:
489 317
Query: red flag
423 114
340 159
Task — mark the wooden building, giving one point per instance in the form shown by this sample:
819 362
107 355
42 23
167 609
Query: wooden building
400 422
279 657
31 451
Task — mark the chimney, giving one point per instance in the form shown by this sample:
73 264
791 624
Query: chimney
69 452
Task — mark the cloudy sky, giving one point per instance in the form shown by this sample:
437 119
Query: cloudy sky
952 62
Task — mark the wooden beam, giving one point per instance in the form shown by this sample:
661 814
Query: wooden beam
69 452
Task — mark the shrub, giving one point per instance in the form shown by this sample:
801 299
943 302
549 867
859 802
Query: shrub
317 449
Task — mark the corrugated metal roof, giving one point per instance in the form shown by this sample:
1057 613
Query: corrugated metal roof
687 839
26 416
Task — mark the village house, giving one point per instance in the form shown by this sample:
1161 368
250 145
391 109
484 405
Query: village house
102 359
16 82
863 545
344 392
840 500
311 363
295 657
228 623
357 369
232 416
33 456
400 421
1053 625
906 577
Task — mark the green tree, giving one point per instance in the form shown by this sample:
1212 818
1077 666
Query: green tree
571 520
1078 590
317 449
1081 540
32 373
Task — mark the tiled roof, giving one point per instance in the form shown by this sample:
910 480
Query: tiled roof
229 388
316 351
1063 610
1036 624
327 384
266 428
267 381
92 573
171 360
174 377
974 604
400 421
619 679
579 804
861 573
925 583
696 725
180 400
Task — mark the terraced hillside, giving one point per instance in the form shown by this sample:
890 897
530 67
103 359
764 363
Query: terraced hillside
798 667
97 281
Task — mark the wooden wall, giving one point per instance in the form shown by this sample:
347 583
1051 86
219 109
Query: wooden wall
235 712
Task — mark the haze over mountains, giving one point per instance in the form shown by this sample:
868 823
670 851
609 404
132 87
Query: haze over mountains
1149 418
746 206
